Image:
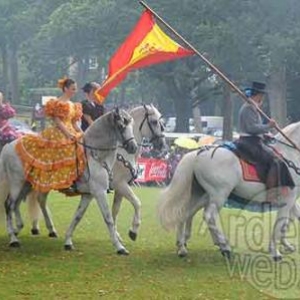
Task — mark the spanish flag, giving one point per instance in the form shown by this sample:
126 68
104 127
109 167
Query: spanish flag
146 45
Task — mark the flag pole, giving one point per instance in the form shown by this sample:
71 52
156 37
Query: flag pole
218 72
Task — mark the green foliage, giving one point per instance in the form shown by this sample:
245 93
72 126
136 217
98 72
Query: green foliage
246 40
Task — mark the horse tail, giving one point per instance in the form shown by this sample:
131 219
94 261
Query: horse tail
175 198
4 187
33 206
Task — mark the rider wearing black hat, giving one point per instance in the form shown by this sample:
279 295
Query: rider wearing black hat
271 169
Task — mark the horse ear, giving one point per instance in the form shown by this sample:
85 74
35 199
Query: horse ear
117 113
145 107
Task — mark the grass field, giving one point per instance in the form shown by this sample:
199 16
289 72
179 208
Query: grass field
41 269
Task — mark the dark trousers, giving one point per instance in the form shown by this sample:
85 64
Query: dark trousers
271 168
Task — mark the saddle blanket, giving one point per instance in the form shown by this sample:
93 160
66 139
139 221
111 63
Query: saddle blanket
249 172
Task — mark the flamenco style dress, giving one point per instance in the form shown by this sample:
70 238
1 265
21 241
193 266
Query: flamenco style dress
50 159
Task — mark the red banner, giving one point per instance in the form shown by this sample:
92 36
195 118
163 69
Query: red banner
146 45
151 169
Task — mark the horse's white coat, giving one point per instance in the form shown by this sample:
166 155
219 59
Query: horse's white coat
102 138
218 176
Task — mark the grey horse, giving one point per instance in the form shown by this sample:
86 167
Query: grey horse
101 142
147 125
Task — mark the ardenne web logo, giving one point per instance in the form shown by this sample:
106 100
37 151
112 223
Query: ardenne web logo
248 234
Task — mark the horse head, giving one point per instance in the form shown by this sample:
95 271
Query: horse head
150 125
123 123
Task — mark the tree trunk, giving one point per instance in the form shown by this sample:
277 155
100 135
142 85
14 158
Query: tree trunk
73 67
182 116
227 113
14 95
277 96
83 67
197 118
181 104
5 69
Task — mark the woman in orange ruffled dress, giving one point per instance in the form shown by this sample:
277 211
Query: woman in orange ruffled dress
53 159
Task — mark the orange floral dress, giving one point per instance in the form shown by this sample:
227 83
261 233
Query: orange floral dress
50 160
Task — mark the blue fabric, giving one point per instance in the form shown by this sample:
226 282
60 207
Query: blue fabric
229 145
248 92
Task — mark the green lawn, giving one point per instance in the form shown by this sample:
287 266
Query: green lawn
41 269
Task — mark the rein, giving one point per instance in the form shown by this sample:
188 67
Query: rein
95 148
289 163
104 149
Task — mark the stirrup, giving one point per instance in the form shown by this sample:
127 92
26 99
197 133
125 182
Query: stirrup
72 190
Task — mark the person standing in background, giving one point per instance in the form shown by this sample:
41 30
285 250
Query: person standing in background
91 109
38 117
7 132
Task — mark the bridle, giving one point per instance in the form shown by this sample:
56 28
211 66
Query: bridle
155 136
125 142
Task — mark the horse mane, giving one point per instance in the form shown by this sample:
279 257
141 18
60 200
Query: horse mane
101 131
150 107
289 130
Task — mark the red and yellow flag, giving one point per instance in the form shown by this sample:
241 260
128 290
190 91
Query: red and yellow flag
146 45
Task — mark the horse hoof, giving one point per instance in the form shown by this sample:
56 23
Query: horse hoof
182 254
132 235
15 244
69 247
290 249
277 258
226 253
53 234
35 231
122 252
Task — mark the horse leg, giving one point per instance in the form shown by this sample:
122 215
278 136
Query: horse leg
115 210
280 228
100 196
184 229
183 235
12 205
180 240
295 211
9 209
34 212
211 213
81 209
42 199
128 193
19 220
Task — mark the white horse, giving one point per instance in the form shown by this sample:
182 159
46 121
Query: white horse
205 179
147 124
101 141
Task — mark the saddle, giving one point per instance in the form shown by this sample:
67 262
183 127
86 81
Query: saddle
250 168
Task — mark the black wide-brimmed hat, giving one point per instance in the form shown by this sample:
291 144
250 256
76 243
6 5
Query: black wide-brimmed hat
259 87
256 88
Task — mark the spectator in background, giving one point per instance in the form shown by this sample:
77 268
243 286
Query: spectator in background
7 132
38 117
91 109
